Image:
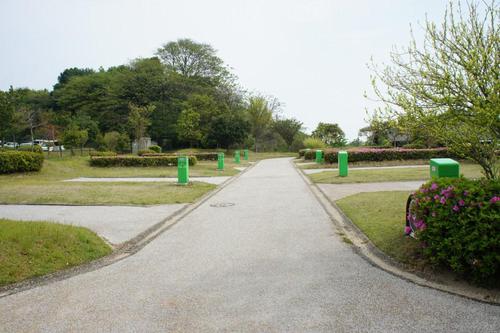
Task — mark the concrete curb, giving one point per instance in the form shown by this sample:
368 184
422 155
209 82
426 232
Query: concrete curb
363 246
124 250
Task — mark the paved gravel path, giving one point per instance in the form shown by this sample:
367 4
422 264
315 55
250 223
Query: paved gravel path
117 224
313 171
210 180
269 263
339 191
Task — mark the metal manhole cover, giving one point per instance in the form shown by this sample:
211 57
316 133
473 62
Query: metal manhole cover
222 204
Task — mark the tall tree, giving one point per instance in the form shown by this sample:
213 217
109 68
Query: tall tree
288 129
6 115
191 59
188 127
259 116
450 85
331 134
139 119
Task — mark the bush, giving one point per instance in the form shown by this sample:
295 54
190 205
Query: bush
20 161
458 222
146 152
115 141
35 148
136 161
313 143
156 149
383 154
102 153
199 156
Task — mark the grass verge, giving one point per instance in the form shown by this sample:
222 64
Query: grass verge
29 249
387 175
102 193
381 217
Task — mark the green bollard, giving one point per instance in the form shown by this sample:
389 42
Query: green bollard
319 156
220 161
237 156
245 154
343 163
183 170
444 167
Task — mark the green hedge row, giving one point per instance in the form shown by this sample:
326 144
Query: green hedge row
458 223
102 153
199 156
137 161
384 154
20 161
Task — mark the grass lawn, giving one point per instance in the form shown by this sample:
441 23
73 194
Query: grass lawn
388 175
381 216
29 249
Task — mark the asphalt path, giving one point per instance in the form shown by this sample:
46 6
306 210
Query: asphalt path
259 256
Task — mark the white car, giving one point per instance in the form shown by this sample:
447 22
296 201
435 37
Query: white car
12 145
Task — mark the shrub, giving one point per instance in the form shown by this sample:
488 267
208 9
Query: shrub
35 148
458 222
20 161
146 152
302 152
199 156
136 161
384 154
102 153
313 142
115 141
155 148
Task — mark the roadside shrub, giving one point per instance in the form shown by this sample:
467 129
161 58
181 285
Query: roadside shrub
199 156
384 154
35 148
102 153
20 161
155 148
146 152
313 142
302 152
458 221
137 161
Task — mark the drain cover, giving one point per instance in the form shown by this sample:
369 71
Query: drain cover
222 204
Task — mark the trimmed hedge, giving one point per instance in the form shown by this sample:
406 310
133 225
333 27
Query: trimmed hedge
102 153
155 148
20 161
458 223
199 156
137 161
383 154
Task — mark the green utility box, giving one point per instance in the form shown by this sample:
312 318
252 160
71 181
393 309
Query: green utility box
444 167
319 156
220 161
237 156
343 163
183 170
245 154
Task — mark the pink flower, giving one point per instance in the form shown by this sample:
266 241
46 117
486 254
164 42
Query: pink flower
466 193
443 200
456 208
495 199
461 203
434 187
436 197
407 230
423 226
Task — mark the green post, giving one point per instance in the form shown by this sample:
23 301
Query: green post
237 156
444 167
343 163
220 161
319 156
245 154
183 170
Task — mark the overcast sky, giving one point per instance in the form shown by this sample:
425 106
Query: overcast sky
310 54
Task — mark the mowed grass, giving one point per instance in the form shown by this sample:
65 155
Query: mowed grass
388 175
47 186
29 249
381 217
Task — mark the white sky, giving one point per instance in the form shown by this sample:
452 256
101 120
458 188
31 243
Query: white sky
311 54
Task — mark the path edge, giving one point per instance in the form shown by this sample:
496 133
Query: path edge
124 250
365 248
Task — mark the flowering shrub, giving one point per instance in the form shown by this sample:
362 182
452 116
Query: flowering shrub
384 154
458 223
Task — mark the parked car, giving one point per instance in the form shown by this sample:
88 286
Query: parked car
12 145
